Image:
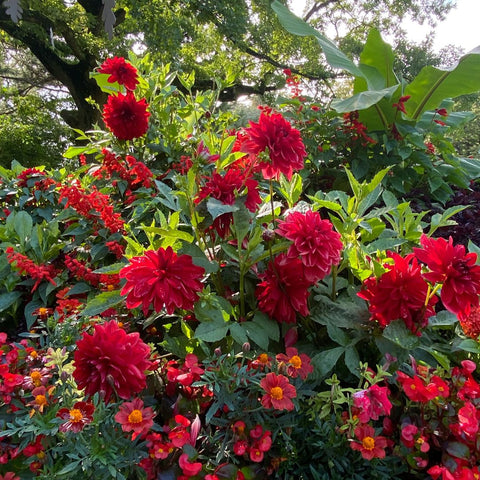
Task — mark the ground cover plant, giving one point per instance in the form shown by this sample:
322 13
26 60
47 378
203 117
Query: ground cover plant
197 298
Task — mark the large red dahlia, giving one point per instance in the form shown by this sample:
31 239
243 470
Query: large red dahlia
284 289
400 293
120 71
126 117
111 360
283 143
162 278
455 269
314 241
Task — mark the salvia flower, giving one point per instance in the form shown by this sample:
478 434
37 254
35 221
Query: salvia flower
111 360
126 117
455 270
120 71
283 144
314 241
163 279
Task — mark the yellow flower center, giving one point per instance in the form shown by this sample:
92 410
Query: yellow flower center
296 361
75 415
34 354
36 378
413 387
41 400
263 358
276 393
42 311
110 287
368 443
135 417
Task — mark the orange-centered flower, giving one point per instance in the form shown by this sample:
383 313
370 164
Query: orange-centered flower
135 417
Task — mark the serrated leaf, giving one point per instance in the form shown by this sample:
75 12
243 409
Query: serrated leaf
337 334
443 319
211 331
216 208
238 333
398 333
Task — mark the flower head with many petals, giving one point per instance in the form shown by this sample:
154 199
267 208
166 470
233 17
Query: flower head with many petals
275 135
297 364
368 444
120 71
135 417
111 361
77 417
126 117
163 279
455 270
279 392
399 293
314 241
283 290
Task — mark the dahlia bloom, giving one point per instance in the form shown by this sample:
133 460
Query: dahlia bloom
77 417
120 71
314 241
455 270
471 323
283 144
126 117
369 445
111 360
400 292
279 392
227 188
297 364
283 290
162 278
135 417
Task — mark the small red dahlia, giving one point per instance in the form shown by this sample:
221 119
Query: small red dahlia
135 417
276 136
111 360
77 417
162 278
279 392
120 71
126 117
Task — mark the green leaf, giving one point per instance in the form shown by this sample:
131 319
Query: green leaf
23 225
211 331
432 85
352 360
337 335
363 100
238 333
8 299
467 345
241 222
102 302
216 208
398 333
443 319
458 450
334 56
325 361
199 258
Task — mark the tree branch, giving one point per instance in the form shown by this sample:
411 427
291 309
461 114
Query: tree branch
317 7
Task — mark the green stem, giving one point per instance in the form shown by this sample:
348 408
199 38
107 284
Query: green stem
272 204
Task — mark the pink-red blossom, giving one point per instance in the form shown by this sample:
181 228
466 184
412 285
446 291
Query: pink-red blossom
135 417
279 392
120 71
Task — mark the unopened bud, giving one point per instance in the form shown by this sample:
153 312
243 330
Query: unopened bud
246 347
268 235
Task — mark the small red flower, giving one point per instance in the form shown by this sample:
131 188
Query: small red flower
120 71
369 445
77 417
162 278
283 144
455 270
126 117
298 364
471 323
372 402
111 361
400 292
189 468
283 290
314 241
135 417
415 388
279 392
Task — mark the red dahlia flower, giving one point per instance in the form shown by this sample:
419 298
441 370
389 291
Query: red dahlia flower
456 270
314 241
369 445
162 278
120 71
471 323
126 117
135 417
274 135
400 292
77 417
111 361
283 290
279 392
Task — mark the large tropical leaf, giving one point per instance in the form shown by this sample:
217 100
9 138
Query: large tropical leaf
432 84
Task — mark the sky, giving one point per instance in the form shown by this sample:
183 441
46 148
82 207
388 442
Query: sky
461 27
